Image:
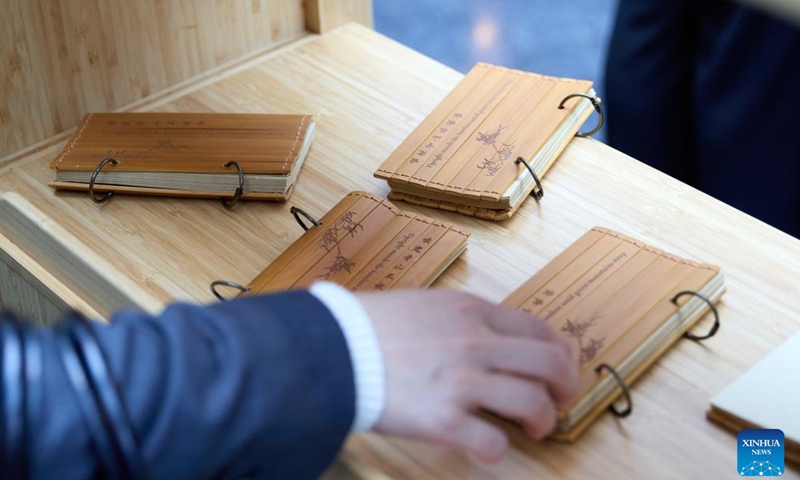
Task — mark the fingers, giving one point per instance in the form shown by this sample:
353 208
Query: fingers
466 431
543 361
515 398
514 323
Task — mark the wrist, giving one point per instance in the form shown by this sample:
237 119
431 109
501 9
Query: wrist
364 348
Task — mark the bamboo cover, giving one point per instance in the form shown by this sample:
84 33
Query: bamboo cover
607 294
366 243
466 148
185 143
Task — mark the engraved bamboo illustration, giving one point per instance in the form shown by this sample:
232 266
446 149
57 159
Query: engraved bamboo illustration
578 330
502 153
344 226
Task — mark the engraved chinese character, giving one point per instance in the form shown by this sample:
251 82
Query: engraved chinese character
379 286
111 123
414 160
140 123
170 122
187 122
389 276
408 258
417 249
427 240
457 115
451 122
527 310
437 137
399 267
548 293
422 153
537 301
429 145
201 122
442 130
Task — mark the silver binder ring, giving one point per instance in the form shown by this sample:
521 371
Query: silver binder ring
240 189
538 191
225 283
297 212
711 305
598 107
625 391
107 195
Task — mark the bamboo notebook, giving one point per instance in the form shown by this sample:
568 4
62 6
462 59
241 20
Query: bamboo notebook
365 243
612 298
464 156
765 397
211 155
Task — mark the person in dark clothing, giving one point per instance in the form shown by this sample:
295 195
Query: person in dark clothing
269 386
707 92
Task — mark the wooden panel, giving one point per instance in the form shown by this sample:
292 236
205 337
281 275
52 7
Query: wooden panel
47 270
27 297
325 15
367 93
63 58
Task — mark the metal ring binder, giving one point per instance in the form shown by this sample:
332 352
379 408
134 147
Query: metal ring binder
713 307
625 391
102 164
240 189
538 191
596 103
299 211
225 283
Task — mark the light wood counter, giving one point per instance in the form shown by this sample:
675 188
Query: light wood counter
367 93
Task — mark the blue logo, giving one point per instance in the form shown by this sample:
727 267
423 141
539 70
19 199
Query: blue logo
760 453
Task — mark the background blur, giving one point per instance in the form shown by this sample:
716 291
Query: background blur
717 64
540 36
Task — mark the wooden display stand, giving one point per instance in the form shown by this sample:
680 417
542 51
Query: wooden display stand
368 93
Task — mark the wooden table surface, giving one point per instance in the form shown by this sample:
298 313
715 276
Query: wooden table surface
367 93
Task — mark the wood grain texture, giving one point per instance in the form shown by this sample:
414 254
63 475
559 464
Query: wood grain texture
610 297
64 58
463 156
368 93
325 15
64 270
365 243
26 296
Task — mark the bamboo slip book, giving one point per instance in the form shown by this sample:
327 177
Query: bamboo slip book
486 146
621 304
363 243
251 156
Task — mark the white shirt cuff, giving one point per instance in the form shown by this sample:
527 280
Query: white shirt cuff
365 351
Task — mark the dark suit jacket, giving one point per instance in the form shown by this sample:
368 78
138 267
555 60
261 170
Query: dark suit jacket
707 91
260 387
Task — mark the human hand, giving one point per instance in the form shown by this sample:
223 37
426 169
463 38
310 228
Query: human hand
449 354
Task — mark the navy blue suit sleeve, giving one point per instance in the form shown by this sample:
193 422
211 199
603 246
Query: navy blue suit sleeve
258 387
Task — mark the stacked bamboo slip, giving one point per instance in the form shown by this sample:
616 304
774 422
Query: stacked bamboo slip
621 304
464 156
480 152
249 156
366 243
